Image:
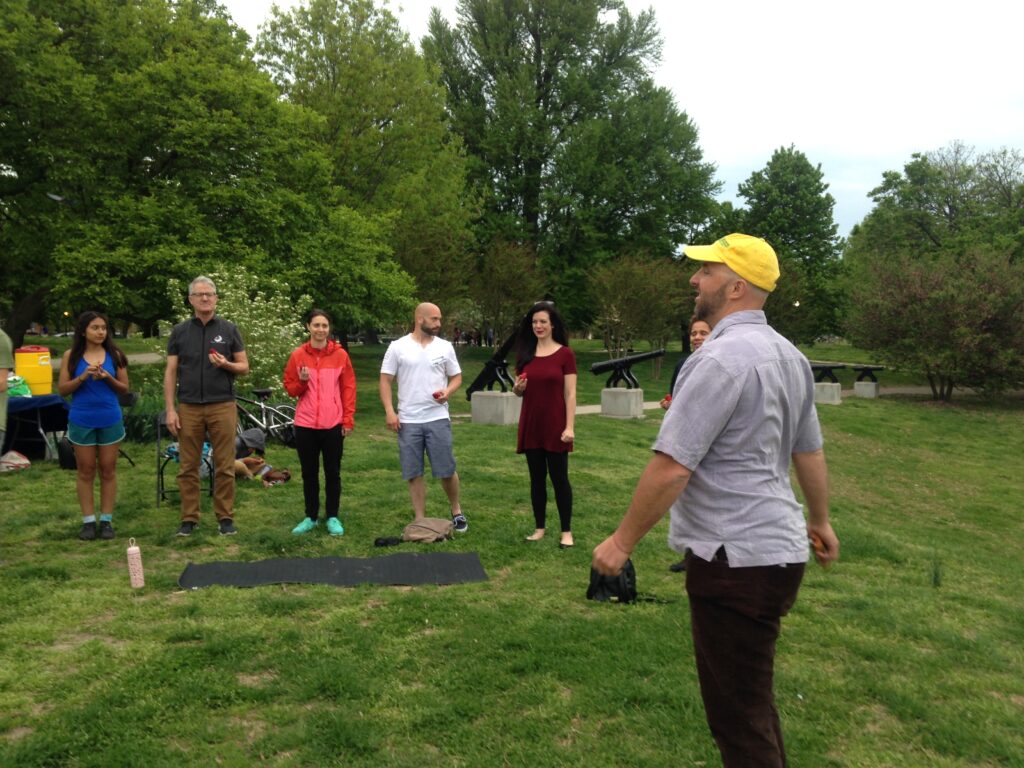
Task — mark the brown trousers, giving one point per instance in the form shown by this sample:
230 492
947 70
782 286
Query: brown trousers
735 615
218 420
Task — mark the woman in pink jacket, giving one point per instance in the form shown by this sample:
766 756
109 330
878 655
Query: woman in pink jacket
320 375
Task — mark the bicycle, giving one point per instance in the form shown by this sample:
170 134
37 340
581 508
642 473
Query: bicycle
276 420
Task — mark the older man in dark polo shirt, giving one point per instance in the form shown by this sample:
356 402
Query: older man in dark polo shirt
742 412
204 355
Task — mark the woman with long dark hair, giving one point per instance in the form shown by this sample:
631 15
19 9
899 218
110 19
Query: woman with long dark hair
94 372
546 381
319 373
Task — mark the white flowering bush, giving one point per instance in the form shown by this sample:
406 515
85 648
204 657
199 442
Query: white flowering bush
266 315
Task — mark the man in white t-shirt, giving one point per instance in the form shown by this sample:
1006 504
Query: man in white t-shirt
428 374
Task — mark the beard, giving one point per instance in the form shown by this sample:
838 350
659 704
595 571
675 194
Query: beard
426 329
707 308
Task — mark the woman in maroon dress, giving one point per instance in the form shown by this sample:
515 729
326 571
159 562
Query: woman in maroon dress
546 381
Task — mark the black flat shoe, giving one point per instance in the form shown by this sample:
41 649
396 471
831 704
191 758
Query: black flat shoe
563 545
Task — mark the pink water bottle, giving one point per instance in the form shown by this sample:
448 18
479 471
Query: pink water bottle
135 574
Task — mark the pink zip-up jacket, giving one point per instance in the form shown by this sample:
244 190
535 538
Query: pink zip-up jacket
328 398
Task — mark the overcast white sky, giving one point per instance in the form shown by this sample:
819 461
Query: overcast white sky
857 87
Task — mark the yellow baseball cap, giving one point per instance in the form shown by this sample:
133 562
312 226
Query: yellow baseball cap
749 257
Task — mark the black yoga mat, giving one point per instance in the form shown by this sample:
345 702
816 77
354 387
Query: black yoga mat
405 568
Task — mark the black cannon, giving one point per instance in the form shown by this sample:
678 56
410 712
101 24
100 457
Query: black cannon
495 371
621 368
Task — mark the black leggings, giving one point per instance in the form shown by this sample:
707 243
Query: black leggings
543 463
311 443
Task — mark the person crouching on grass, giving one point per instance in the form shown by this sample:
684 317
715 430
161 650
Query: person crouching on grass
94 372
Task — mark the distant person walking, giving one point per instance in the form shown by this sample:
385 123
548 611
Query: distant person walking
742 414
546 381
95 373
204 355
428 375
319 373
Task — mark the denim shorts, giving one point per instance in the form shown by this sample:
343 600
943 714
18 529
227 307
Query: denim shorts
96 435
435 437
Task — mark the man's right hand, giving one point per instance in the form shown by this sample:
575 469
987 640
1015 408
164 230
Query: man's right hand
824 544
609 558
173 422
392 421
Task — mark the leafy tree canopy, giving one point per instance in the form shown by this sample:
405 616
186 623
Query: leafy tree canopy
640 298
788 204
382 125
572 149
936 269
142 144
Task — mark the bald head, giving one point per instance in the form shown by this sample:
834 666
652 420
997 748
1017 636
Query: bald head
428 319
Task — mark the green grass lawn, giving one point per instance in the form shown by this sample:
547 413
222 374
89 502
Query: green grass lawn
907 653
130 346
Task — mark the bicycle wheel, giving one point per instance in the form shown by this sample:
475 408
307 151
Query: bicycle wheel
280 425
287 410
245 420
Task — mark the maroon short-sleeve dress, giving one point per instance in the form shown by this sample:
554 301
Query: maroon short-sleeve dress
542 419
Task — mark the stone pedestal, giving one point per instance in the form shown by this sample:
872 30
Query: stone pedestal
826 393
865 389
622 403
495 407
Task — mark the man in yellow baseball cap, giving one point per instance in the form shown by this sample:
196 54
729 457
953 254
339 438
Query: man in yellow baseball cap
749 257
742 413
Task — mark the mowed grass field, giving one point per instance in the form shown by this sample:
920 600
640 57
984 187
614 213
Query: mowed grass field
909 652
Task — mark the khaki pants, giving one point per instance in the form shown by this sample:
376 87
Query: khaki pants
219 420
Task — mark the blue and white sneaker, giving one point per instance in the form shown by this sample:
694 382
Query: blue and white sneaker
461 523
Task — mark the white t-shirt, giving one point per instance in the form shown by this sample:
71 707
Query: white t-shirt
421 371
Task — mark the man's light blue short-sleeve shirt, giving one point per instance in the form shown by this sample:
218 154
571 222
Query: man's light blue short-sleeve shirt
742 405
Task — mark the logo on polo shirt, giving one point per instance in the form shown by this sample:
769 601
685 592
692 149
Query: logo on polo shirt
218 338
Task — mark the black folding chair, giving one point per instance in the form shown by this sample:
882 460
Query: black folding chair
164 457
127 401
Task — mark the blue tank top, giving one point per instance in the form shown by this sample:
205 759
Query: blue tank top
94 404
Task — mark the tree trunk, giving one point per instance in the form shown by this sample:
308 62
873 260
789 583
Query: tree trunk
23 313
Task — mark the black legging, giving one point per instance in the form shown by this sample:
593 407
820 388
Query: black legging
543 463
311 443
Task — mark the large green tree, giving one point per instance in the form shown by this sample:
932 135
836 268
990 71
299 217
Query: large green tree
788 204
47 115
383 127
204 165
572 149
937 269
143 144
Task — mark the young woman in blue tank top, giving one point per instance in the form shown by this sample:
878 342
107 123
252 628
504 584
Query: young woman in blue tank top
94 372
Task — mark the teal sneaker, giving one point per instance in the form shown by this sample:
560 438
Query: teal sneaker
305 526
334 526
